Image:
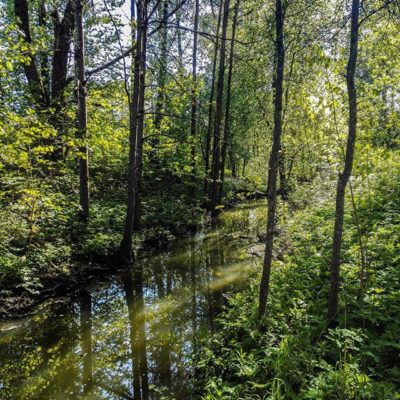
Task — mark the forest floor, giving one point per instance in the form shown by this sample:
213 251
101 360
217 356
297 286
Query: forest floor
290 353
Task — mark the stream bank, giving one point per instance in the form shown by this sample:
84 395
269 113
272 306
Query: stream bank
142 321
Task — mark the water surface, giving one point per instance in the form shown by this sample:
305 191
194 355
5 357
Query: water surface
132 335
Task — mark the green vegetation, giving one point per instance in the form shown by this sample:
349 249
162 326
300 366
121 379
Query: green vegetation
290 354
126 125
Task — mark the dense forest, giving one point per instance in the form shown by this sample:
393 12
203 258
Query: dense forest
200 199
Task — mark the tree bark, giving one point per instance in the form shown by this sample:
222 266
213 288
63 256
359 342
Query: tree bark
216 153
162 72
274 159
140 123
179 39
82 114
348 166
227 125
193 122
31 70
210 104
63 31
44 60
126 244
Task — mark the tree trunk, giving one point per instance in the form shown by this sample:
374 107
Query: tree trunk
232 161
216 153
50 100
179 39
63 31
210 104
140 123
63 36
82 116
193 122
44 60
348 166
162 72
227 126
126 244
274 159
283 178
31 70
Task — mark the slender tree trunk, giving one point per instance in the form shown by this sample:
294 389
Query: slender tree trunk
140 125
283 181
274 159
348 166
216 153
244 165
179 38
31 70
283 173
227 125
126 244
211 103
193 123
162 72
44 60
82 117
232 161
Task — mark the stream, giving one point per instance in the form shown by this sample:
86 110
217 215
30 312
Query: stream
131 335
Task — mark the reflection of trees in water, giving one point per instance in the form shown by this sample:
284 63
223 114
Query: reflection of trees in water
163 325
133 286
85 302
109 344
217 259
39 361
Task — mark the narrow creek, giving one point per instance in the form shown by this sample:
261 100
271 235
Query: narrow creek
131 336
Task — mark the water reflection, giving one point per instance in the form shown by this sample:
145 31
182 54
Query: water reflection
133 286
85 302
131 336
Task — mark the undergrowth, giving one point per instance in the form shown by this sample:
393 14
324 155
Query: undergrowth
290 354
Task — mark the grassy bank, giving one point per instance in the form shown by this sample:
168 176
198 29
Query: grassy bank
290 354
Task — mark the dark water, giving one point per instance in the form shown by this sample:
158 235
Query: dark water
132 336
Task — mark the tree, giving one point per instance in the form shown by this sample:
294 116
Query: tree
140 118
348 166
82 118
274 158
227 123
134 121
48 98
216 150
163 68
211 103
193 123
